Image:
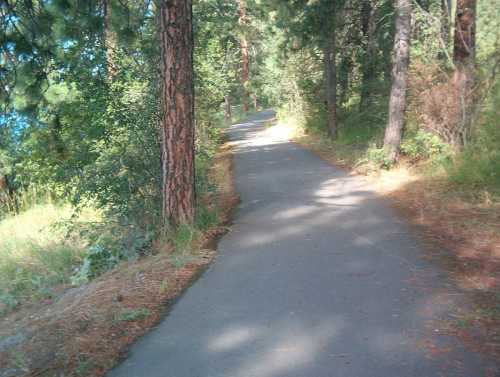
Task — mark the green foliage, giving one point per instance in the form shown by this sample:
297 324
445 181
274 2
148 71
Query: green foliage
424 145
479 164
80 107
109 243
183 237
378 156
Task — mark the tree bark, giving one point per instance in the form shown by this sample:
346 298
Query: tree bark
330 70
254 100
397 101
345 72
464 52
368 74
245 61
177 112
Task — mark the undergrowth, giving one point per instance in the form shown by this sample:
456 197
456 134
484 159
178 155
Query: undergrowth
49 245
360 139
36 253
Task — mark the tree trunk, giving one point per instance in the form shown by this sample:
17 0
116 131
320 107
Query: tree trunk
368 74
227 110
254 100
245 61
177 112
345 71
110 40
331 81
464 51
397 101
7 187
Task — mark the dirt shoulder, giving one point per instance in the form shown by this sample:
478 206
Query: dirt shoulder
88 329
461 228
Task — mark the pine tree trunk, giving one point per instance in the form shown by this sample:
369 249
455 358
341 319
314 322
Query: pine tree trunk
368 74
331 82
177 111
345 71
110 41
245 61
397 101
464 51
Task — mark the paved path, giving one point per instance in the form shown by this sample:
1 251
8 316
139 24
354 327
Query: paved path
316 279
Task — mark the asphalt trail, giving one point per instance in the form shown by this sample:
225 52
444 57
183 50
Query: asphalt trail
317 278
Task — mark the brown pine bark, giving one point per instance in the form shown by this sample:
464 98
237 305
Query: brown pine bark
330 70
397 101
464 52
245 60
177 111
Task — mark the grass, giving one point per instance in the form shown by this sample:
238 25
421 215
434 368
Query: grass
36 255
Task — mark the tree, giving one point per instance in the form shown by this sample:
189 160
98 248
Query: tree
464 52
177 111
109 39
368 67
329 56
397 100
245 61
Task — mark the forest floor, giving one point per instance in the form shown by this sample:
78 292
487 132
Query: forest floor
460 225
85 330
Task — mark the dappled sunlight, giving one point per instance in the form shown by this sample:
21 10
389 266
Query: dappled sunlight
299 347
233 337
295 212
317 277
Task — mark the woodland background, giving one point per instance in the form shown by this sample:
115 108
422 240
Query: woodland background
81 170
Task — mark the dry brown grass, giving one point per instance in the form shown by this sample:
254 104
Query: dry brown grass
87 329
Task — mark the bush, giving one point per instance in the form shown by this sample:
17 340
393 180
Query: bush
378 157
109 244
479 164
424 145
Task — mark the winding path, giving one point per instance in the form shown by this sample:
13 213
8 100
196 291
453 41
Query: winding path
317 278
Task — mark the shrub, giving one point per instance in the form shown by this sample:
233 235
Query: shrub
479 164
378 157
424 145
109 244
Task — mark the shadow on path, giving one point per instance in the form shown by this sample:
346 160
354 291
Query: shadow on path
316 279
